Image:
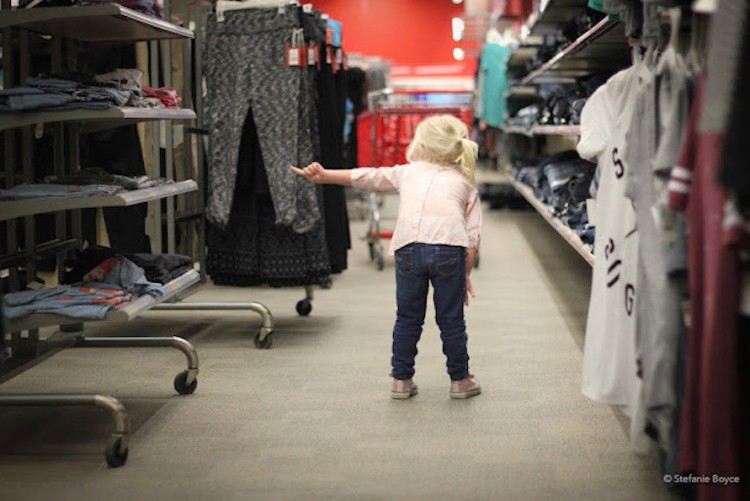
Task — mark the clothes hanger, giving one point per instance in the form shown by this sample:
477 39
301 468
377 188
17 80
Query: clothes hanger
694 57
225 5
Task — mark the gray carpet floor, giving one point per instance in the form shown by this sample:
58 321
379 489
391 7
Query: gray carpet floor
312 417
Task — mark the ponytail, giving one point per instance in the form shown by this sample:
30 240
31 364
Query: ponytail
443 140
468 157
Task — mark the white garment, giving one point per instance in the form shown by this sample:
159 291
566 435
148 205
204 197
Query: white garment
609 359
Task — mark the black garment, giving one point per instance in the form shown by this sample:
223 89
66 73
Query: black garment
744 354
2 336
331 109
253 250
162 268
117 151
355 92
735 174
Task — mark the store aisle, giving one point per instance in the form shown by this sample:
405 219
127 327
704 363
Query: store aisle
312 418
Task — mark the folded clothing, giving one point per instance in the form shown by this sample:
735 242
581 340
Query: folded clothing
46 190
75 301
158 268
122 272
95 175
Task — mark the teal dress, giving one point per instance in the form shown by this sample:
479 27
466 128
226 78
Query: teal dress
494 66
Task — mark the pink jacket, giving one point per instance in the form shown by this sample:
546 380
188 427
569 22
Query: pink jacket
437 204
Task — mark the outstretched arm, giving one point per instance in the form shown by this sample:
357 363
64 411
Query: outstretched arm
319 175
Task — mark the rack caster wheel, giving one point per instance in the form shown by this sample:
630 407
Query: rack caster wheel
265 343
380 262
180 384
304 307
112 453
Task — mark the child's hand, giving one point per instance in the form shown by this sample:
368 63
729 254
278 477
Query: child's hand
469 290
313 172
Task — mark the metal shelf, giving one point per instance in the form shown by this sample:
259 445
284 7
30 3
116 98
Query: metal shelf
569 235
127 312
112 116
603 48
10 209
545 130
93 23
555 14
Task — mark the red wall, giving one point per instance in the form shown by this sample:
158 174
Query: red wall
407 32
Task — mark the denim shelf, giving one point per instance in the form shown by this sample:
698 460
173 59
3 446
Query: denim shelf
108 24
602 48
127 312
93 23
554 14
10 209
569 235
93 119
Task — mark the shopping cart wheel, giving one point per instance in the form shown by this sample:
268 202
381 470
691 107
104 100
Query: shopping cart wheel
304 307
265 343
380 262
115 457
180 384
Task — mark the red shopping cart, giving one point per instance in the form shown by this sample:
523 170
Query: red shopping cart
385 131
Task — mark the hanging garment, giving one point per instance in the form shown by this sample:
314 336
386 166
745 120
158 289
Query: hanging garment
652 143
246 67
711 430
253 249
609 363
494 66
327 130
734 172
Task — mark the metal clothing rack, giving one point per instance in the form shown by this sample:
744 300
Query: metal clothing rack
194 14
67 27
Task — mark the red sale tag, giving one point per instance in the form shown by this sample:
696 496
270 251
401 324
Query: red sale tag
312 55
295 56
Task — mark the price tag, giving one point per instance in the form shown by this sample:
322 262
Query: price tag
295 56
312 55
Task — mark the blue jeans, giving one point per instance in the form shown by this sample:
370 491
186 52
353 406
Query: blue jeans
416 266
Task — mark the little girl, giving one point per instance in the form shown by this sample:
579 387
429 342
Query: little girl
435 241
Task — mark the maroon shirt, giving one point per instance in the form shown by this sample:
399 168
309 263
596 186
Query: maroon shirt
711 426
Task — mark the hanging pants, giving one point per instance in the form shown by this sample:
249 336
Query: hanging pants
246 67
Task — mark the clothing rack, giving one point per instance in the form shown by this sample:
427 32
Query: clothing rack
68 26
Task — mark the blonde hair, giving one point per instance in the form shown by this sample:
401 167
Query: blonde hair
444 140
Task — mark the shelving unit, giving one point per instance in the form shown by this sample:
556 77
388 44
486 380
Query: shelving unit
569 235
93 23
555 14
127 312
600 49
109 24
542 130
113 117
11 209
